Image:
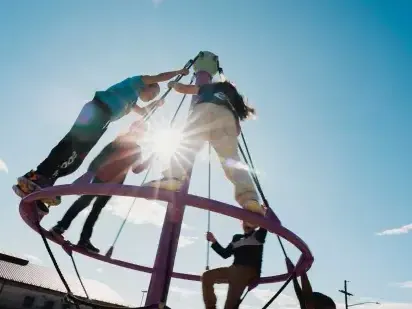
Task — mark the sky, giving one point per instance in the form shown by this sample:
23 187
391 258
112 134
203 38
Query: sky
331 82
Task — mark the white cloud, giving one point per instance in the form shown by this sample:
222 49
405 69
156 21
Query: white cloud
99 270
96 289
33 259
143 212
404 285
397 231
182 291
281 301
3 166
185 241
383 305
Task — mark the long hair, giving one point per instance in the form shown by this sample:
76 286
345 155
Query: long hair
237 101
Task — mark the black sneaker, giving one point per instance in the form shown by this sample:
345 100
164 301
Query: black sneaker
87 245
57 231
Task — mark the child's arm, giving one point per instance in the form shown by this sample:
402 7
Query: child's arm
184 89
298 290
307 291
162 77
139 166
223 252
144 110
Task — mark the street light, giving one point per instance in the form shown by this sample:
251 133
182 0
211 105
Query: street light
143 294
364 303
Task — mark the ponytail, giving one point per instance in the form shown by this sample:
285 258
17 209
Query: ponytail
242 110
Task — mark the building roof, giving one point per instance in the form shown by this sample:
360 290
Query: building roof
22 271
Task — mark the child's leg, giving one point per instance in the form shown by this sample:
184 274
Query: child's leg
90 222
209 279
223 138
194 136
70 152
80 204
239 278
88 128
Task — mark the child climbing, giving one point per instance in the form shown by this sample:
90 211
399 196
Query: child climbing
107 106
214 118
308 299
247 249
111 165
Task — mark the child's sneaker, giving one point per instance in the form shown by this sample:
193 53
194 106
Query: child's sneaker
172 184
57 231
33 181
254 206
87 245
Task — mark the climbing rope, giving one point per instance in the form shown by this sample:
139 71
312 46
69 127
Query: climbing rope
187 66
252 171
208 212
56 266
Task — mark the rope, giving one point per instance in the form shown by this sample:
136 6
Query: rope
78 275
252 171
257 183
208 212
50 252
188 65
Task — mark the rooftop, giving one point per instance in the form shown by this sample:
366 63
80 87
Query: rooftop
20 270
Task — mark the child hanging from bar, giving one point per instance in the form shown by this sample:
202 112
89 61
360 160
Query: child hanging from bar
306 297
106 107
110 166
214 118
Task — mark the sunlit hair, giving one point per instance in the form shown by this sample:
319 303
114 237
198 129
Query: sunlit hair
237 101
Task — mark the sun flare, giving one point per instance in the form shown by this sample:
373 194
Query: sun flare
165 142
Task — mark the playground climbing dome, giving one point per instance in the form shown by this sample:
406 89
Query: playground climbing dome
205 65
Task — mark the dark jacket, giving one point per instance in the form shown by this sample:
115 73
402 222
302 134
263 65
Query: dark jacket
247 249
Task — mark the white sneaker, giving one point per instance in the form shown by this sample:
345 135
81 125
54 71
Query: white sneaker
254 206
171 184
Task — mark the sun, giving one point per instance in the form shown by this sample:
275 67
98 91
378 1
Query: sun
164 143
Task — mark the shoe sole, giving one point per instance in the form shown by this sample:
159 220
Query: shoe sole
88 250
164 186
255 207
42 208
56 235
26 186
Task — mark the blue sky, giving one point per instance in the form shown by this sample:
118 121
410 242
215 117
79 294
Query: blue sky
330 81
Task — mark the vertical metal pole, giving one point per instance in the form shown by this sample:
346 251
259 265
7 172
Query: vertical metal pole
169 238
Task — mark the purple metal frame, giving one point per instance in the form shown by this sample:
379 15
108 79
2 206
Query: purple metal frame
28 212
169 237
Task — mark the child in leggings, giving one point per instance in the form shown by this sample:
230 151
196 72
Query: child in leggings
111 165
214 118
107 106
306 297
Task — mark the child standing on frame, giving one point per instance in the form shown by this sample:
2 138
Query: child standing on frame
110 166
215 119
106 107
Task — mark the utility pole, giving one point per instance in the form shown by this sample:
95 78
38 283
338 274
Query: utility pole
143 294
346 293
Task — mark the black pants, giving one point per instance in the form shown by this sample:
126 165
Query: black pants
71 151
80 204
